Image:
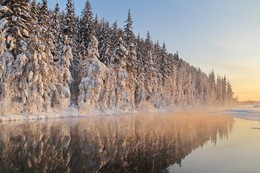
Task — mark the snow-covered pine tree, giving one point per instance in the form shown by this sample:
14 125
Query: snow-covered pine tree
150 71
34 9
219 90
129 35
124 102
57 32
164 78
70 29
104 42
179 96
131 61
114 36
91 88
172 66
212 88
96 26
224 89
34 16
43 19
31 81
15 20
62 95
86 24
229 93
15 27
140 92
163 66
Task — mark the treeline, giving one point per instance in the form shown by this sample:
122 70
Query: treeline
53 58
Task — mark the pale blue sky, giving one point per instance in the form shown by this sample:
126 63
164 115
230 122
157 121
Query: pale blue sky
223 35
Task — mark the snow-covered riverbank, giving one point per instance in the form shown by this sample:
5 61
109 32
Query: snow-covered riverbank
249 112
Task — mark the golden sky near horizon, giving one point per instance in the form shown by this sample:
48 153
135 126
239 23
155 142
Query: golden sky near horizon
243 76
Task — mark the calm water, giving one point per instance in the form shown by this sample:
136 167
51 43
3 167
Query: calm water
152 143
239 154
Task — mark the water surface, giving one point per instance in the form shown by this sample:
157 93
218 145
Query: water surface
239 154
150 143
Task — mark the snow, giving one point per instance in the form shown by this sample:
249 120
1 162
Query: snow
3 22
250 112
42 73
4 9
70 112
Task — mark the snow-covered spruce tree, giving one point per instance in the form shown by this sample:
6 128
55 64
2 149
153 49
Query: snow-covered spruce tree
163 66
199 88
96 26
224 90
34 15
57 32
114 36
171 81
160 55
129 35
104 42
140 92
91 87
122 83
179 96
131 59
15 19
34 9
44 21
30 79
62 94
15 28
71 31
229 93
151 73
86 24
212 88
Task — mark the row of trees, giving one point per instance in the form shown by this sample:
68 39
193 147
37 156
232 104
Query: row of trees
56 56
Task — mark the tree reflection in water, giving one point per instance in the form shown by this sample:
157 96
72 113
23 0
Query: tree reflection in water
107 144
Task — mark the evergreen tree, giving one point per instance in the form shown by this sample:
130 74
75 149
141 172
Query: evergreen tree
17 24
128 31
34 15
96 26
86 24
212 87
224 89
51 58
164 68
43 17
219 90
140 93
114 35
70 29
230 93
131 61
105 44
57 32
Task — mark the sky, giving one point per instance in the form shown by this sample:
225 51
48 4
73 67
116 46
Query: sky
219 35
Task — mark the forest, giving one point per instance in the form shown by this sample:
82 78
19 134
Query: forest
51 60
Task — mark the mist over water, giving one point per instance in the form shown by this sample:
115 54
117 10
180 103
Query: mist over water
143 143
